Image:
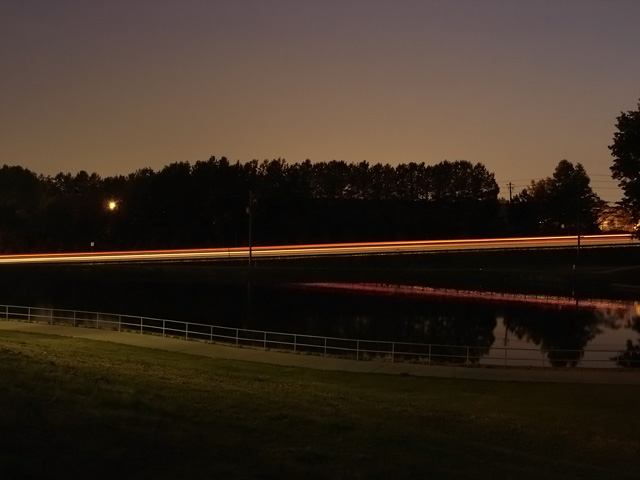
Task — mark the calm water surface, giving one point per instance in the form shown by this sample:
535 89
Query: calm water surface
482 322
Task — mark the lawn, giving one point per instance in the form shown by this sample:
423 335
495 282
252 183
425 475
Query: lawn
73 408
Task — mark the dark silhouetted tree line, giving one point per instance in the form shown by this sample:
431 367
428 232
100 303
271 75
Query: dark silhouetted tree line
205 204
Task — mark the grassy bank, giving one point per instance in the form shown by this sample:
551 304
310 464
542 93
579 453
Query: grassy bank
72 408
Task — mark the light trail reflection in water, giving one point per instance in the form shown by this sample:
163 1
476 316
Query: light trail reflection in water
419 290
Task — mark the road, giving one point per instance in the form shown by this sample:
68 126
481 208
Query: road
335 249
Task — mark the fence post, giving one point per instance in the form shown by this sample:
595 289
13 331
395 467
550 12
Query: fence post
186 332
140 325
74 318
50 316
29 315
211 334
393 349
295 338
265 341
325 346
236 338
357 349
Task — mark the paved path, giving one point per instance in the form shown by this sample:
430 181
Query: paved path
322 363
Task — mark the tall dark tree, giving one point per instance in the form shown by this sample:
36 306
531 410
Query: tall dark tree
22 198
302 179
461 180
562 203
625 150
75 212
332 179
411 181
462 199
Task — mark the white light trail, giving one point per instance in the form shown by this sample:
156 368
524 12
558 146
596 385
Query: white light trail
334 249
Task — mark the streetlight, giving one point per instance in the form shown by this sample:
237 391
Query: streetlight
112 206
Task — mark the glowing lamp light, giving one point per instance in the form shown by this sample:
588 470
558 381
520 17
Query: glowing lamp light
112 205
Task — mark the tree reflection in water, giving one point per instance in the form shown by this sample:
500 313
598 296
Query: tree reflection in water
381 318
561 332
630 358
446 323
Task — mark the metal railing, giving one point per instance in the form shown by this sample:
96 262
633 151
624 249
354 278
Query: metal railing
358 349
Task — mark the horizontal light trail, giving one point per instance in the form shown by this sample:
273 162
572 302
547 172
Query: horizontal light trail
315 250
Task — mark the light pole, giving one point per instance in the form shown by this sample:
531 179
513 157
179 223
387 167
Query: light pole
112 206
578 228
250 213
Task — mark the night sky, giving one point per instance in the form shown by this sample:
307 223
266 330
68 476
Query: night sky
112 86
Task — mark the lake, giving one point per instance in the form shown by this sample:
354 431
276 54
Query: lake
565 332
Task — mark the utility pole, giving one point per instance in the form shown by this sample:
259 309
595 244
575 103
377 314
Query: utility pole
576 265
578 229
250 212
510 190
249 279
